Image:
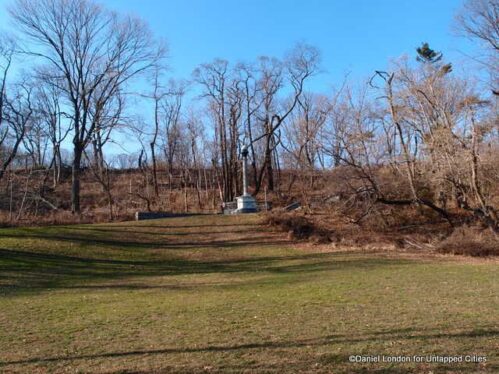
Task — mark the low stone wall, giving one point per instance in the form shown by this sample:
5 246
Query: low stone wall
139 216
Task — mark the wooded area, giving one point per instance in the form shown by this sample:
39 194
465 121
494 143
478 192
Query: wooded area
414 135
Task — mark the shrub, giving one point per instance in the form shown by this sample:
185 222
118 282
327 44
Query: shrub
299 227
471 241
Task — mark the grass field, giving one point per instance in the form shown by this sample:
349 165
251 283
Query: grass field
225 294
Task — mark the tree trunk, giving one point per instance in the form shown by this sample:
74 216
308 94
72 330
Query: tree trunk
154 169
269 169
75 181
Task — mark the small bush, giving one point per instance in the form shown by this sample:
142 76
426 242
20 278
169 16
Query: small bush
470 241
299 227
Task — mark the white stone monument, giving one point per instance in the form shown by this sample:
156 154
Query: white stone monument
245 203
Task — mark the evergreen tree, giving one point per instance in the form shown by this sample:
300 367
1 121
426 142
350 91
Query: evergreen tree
428 55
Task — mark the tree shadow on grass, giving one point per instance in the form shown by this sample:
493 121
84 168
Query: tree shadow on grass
116 243
36 270
111 230
22 271
174 226
324 360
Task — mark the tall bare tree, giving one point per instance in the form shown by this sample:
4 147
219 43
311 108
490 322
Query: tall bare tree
302 137
16 108
93 50
479 20
171 116
17 117
301 63
223 94
48 98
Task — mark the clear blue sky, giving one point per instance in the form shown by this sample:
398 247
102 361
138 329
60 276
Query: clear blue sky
356 36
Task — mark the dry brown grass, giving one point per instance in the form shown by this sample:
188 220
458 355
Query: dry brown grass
299 227
433 237
23 208
471 241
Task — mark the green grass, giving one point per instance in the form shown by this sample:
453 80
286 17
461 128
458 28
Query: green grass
225 294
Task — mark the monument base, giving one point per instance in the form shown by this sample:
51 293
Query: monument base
246 204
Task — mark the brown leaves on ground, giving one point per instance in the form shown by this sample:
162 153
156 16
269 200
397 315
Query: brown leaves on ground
300 227
421 237
471 241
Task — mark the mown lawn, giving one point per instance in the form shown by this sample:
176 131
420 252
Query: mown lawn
225 294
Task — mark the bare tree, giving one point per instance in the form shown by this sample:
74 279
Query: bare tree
15 107
252 102
171 116
7 50
195 134
300 64
302 138
224 94
157 95
270 82
48 104
479 20
95 52
17 113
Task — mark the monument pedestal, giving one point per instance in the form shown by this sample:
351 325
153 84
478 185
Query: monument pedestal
246 204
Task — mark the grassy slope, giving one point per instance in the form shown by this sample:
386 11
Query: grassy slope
215 293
